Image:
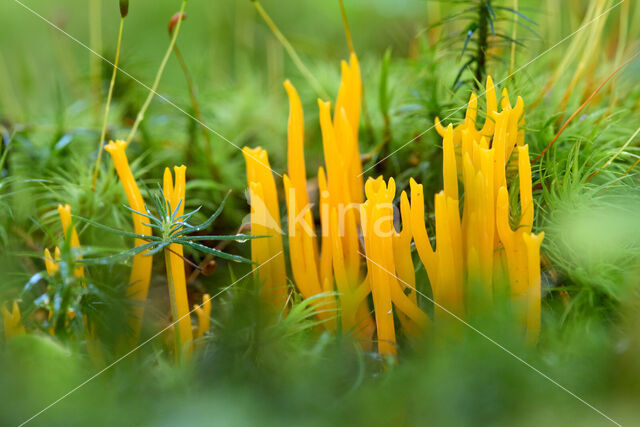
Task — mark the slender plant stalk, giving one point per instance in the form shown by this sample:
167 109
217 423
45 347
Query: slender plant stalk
198 112
204 267
624 174
103 133
291 51
588 60
347 32
623 33
576 46
156 82
513 38
365 111
617 153
95 40
483 45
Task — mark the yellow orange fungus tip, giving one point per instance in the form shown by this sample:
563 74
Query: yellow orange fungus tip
11 319
49 261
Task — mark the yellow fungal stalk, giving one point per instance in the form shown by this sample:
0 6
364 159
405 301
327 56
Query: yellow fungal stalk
389 266
265 220
334 262
174 194
51 262
204 314
69 231
141 268
341 193
12 324
71 234
473 249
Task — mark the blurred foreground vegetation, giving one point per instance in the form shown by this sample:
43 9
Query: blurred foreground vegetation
256 370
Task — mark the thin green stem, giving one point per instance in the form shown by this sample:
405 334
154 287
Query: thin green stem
198 112
291 51
156 82
347 32
95 41
103 133
365 110
483 45
512 60
623 32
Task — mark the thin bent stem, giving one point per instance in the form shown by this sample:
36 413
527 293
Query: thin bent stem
103 133
617 153
483 45
365 110
220 246
347 32
184 259
622 44
513 38
156 82
95 41
198 112
291 51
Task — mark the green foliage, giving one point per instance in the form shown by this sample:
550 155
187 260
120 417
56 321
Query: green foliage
173 229
483 29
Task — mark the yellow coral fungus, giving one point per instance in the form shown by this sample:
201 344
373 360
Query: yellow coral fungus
316 265
12 324
473 248
265 220
70 233
141 268
334 261
388 262
174 194
51 262
204 314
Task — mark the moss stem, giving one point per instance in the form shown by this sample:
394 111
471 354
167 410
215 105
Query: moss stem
291 51
198 112
156 82
95 41
347 32
483 34
512 60
103 133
